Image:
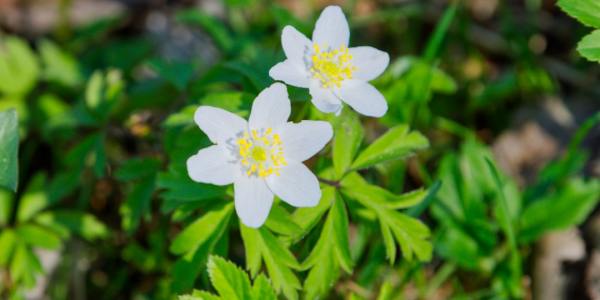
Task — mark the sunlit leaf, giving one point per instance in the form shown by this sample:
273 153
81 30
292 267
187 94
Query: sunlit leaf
9 147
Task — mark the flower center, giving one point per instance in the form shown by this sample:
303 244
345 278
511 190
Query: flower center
261 153
331 67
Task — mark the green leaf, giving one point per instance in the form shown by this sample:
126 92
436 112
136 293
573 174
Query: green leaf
179 189
261 243
589 46
411 234
280 221
9 148
229 280
308 217
19 68
137 204
435 42
137 168
585 11
200 231
38 236
34 199
24 265
187 268
330 253
348 135
66 222
398 142
177 73
7 201
262 290
59 66
568 206
8 242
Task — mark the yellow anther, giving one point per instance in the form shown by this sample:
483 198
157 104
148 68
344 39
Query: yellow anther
261 153
331 67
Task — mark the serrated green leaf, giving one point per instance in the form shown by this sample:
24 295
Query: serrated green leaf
229 280
200 231
262 290
348 135
308 217
9 148
38 236
330 253
585 11
261 243
589 46
397 143
410 233
19 69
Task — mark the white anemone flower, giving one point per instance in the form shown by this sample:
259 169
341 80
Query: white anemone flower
262 157
329 69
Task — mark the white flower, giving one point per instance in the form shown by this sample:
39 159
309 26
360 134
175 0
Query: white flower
329 69
260 157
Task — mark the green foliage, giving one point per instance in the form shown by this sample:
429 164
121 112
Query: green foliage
588 13
589 46
19 67
9 135
396 143
231 282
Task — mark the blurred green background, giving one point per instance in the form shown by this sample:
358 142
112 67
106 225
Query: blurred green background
105 92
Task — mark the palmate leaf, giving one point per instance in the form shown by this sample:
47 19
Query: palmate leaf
232 283
589 46
330 253
396 143
9 147
410 233
262 245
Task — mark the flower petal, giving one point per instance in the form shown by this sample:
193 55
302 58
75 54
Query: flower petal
369 62
296 185
210 165
324 99
295 44
253 200
271 108
302 140
331 29
363 98
290 73
219 125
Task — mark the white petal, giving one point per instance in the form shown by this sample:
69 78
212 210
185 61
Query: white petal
324 99
290 73
296 185
210 165
369 62
302 140
363 98
219 125
253 200
331 29
295 44
271 108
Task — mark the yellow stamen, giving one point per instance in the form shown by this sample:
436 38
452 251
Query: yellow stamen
331 67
